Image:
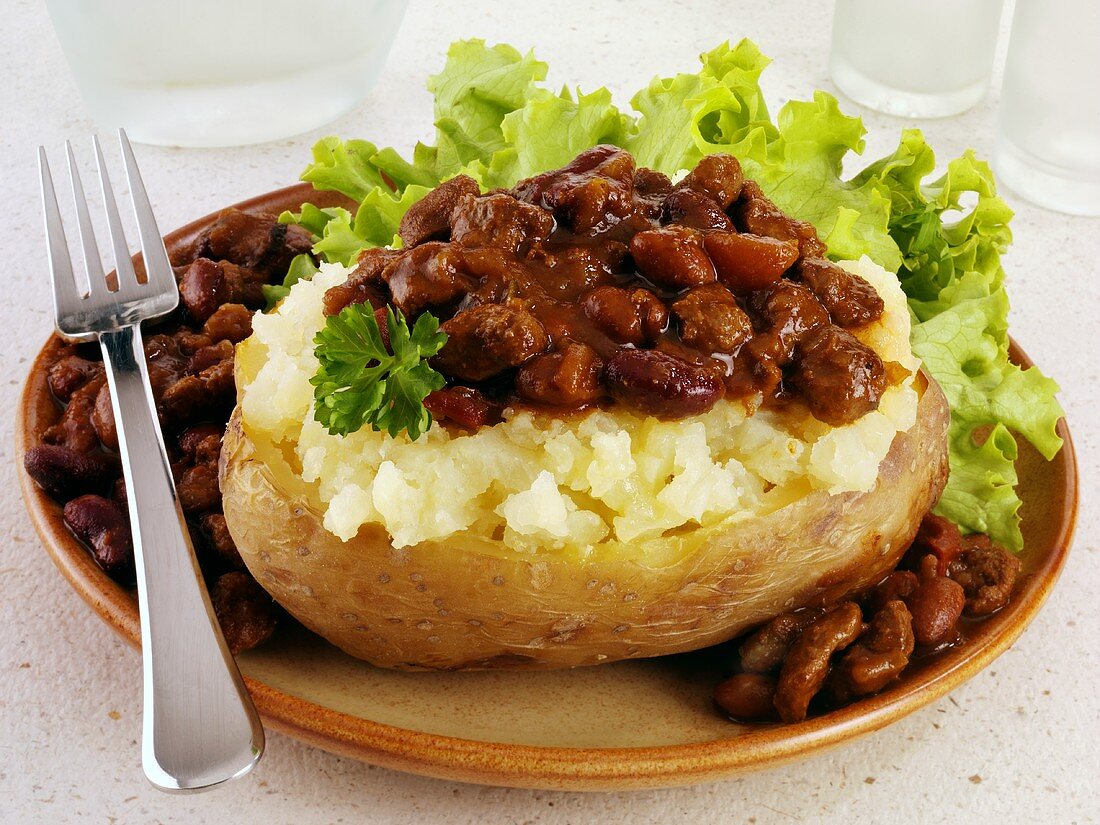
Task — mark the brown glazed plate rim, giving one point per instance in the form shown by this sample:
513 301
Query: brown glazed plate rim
526 765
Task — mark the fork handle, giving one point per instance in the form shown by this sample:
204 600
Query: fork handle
199 725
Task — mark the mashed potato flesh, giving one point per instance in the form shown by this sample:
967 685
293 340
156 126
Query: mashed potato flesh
602 478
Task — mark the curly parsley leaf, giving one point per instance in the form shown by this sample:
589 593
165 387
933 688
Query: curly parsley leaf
362 382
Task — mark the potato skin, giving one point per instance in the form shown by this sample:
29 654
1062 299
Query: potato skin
436 606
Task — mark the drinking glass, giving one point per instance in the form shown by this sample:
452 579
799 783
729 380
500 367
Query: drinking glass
916 59
223 72
1048 130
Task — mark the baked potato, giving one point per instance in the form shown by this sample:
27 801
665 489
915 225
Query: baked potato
685 442
439 605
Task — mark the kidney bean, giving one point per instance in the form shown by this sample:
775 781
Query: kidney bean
764 650
879 655
938 536
685 207
105 528
672 257
103 419
807 663
746 263
203 288
936 605
660 384
747 696
569 378
64 472
628 316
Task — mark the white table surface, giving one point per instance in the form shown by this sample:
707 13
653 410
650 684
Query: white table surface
1016 744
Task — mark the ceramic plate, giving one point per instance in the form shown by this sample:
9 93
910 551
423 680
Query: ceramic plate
638 724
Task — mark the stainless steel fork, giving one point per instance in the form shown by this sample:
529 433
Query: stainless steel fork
199 726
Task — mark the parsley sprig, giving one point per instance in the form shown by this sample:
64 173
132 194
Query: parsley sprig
361 382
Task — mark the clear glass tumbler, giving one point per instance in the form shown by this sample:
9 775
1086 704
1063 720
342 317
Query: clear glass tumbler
223 72
1048 130
916 59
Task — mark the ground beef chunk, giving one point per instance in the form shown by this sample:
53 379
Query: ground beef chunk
765 650
74 429
710 320
717 176
103 419
69 373
590 194
429 276
254 242
879 655
216 533
807 664
501 222
698 211
987 574
230 322
246 613
840 378
364 285
429 219
486 340
851 301
754 212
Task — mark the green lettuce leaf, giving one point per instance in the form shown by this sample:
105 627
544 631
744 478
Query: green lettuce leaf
944 236
550 130
479 86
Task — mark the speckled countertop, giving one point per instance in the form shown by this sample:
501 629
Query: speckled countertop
1016 744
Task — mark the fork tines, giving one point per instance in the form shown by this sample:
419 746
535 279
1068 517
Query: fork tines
119 297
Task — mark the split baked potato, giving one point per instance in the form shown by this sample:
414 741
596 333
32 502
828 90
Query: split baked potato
440 605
